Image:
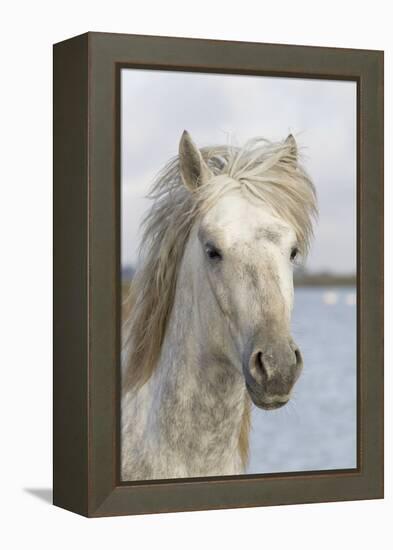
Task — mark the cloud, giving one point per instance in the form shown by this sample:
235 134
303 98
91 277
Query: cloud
158 105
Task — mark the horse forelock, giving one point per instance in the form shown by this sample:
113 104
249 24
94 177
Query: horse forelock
262 170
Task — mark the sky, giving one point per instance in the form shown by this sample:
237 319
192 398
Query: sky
156 106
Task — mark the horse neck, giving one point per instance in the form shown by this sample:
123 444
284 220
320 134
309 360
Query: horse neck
195 401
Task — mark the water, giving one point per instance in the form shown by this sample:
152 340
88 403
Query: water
317 429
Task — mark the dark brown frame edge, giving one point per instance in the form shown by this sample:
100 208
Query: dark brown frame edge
86 273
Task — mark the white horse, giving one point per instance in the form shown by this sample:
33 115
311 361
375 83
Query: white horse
208 329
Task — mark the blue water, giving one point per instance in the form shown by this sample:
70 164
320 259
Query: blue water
317 429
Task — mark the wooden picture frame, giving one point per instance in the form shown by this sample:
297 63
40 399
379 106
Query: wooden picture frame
87 274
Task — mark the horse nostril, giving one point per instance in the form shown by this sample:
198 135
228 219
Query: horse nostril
258 368
298 357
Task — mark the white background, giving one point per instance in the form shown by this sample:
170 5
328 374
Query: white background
27 31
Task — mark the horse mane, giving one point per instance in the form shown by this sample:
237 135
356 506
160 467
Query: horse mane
264 171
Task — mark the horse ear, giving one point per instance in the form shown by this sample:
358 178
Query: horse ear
193 169
292 155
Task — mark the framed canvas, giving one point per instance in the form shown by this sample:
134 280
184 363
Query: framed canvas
218 274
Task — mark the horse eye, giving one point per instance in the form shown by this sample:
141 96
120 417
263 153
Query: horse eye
212 252
294 253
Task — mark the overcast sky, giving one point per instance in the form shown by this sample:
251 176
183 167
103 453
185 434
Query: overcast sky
158 105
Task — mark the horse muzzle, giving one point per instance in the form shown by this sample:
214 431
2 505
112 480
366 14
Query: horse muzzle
270 374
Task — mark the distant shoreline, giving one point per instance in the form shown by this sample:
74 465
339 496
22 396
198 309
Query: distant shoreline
325 280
